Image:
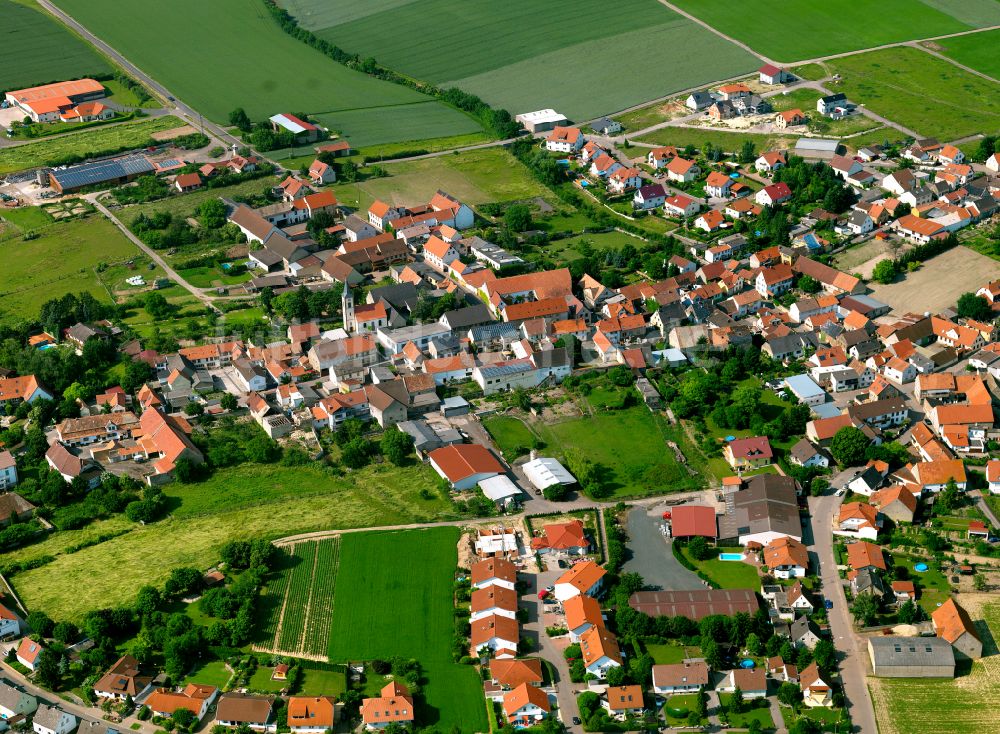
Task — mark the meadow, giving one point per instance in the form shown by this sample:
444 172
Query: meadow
977 51
934 706
63 259
232 54
37 49
811 28
89 142
921 92
512 53
384 606
238 502
512 437
730 141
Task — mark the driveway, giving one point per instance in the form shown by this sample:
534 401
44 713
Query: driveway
652 556
850 646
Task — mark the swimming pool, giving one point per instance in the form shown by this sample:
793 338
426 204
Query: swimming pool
730 556
920 567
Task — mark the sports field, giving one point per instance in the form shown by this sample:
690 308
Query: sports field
88 142
935 706
921 92
583 57
249 500
224 54
63 259
979 51
797 30
37 49
393 596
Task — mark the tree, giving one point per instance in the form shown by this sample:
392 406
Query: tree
66 632
971 306
194 408
239 118
355 453
848 446
698 548
736 701
47 670
710 651
228 401
865 610
396 445
40 623
754 644
517 217
789 694
157 306
615 676
825 656
212 213
808 284
948 499
885 271
748 152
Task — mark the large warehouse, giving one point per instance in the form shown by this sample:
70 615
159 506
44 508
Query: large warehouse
45 103
115 170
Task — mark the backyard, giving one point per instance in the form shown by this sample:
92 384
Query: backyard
725 574
512 437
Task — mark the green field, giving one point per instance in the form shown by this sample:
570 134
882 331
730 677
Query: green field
935 706
211 64
523 55
725 139
802 29
62 260
383 606
399 123
921 92
37 49
86 142
213 673
977 51
244 501
727 574
303 625
475 177
668 654
510 434
629 445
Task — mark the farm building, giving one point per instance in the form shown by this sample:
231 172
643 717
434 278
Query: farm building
48 102
465 465
541 120
695 604
114 171
304 132
688 521
816 148
911 657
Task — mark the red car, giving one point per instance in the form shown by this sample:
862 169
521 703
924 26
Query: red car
542 594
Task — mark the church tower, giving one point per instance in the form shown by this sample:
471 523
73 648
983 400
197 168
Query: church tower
347 308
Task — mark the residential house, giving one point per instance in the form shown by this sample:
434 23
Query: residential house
952 623
124 679
238 709
600 652
194 697
583 577
508 674
752 682
311 714
771 161
680 205
496 634
689 676
493 571
28 652
393 706
622 702
525 706
651 196
858 519
804 453
773 194
52 720
897 503
564 140
582 612
682 170
815 691
785 558
465 465
8 479
15 703
748 453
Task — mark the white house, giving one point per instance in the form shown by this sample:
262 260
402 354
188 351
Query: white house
860 223
525 706
680 205
8 471
600 652
753 683
564 140
52 720
773 195
993 475
584 577
15 703
438 253
900 371
9 624
993 163
686 677
682 170
651 196
624 179
815 691
28 653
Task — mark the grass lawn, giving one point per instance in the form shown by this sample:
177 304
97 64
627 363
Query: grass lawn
742 720
261 680
185 205
26 218
977 51
213 673
729 140
511 51
206 66
680 705
967 703
933 588
323 682
629 445
510 434
727 574
845 24
669 654
406 609
38 49
63 259
239 502
805 100
475 177
920 92
428 119
566 250
208 276
125 96
93 141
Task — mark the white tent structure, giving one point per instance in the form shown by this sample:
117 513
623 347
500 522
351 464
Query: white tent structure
499 488
546 472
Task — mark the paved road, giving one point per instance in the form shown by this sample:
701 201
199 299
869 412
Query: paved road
652 554
153 254
853 666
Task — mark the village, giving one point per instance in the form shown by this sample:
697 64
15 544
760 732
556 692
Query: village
735 482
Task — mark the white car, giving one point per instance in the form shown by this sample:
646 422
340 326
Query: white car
840 492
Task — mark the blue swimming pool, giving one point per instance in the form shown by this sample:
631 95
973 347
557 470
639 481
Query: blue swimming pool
920 567
730 556
747 663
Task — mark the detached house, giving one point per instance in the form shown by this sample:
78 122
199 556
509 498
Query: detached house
623 701
564 140
52 720
584 577
770 162
600 652
683 170
650 196
773 194
748 453
815 691
525 706
394 705
122 680
689 676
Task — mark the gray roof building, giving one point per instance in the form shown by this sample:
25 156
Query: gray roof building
768 508
911 657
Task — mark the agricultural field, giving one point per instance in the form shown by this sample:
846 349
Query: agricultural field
977 51
104 139
64 258
967 703
209 66
939 281
37 49
810 28
237 502
475 177
920 92
729 141
511 52
628 444
406 609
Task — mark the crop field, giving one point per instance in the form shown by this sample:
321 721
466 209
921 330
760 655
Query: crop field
523 55
398 123
63 259
811 28
934 706
86 142
977 51
301 620
921 92
386 606
475 177
238 502
231 54
37 49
